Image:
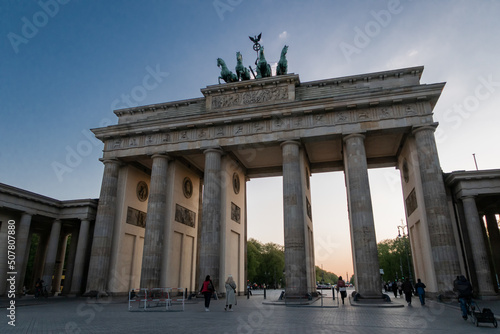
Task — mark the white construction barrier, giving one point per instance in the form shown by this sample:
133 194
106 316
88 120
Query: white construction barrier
162 299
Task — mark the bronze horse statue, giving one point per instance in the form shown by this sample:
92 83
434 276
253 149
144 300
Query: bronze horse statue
225 73
282 67
263 68
241 71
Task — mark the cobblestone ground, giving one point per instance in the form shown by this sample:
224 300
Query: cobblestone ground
71 315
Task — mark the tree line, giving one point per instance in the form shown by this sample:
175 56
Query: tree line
394 256
266 265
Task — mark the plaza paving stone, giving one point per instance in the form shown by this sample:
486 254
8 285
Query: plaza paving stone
81 315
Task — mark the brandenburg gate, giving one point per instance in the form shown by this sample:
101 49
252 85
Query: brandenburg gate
172 207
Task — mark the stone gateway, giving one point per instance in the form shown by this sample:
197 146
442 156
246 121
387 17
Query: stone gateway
172 207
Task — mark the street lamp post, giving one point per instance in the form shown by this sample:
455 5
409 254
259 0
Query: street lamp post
405 234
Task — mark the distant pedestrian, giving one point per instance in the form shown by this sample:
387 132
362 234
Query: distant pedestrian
420 287
230 293
395 289
207 289
400 287
408 290
341 287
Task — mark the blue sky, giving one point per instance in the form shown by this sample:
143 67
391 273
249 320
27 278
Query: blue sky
66 63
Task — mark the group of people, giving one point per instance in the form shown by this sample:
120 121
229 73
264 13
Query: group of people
461 285
406 287
208 290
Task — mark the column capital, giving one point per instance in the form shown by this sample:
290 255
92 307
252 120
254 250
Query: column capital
468 197
106 161
216 149
353 135
431 127
28 213
292 141
161 155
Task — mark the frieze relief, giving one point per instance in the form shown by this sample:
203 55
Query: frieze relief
342 117
250 97
281 123
385 112
364 115
258 127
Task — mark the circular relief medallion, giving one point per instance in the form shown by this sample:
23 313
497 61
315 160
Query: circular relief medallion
406 175
142 191
236 183
187 187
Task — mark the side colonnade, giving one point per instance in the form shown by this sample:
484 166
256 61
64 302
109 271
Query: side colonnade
42 228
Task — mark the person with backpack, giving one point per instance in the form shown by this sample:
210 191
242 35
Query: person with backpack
341 287
420 287
207 289
464 289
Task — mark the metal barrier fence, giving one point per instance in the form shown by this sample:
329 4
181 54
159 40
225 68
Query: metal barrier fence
164 299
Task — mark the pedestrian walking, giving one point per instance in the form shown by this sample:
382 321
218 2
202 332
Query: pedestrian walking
407 288
420 287
395 289
341 287
400 287
230 293
207 289
464 289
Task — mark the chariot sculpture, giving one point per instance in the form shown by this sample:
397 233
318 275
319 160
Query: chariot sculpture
263 68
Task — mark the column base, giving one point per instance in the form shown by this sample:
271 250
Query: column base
492 296
95 294
382 300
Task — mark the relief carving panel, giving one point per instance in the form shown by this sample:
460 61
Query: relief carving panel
250 97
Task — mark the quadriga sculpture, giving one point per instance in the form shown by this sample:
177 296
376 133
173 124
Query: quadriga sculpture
241 71
225 73
283 63
263 68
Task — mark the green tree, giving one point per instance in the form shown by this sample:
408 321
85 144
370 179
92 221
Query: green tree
393 257
323 276
265 262
254 258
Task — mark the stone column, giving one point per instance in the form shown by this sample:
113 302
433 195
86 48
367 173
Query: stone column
210 222
41 252
443 246
70 263
22 249
155 222
294 224
59 264
478 247
494 235
50 260
81 250
363 239
97 279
